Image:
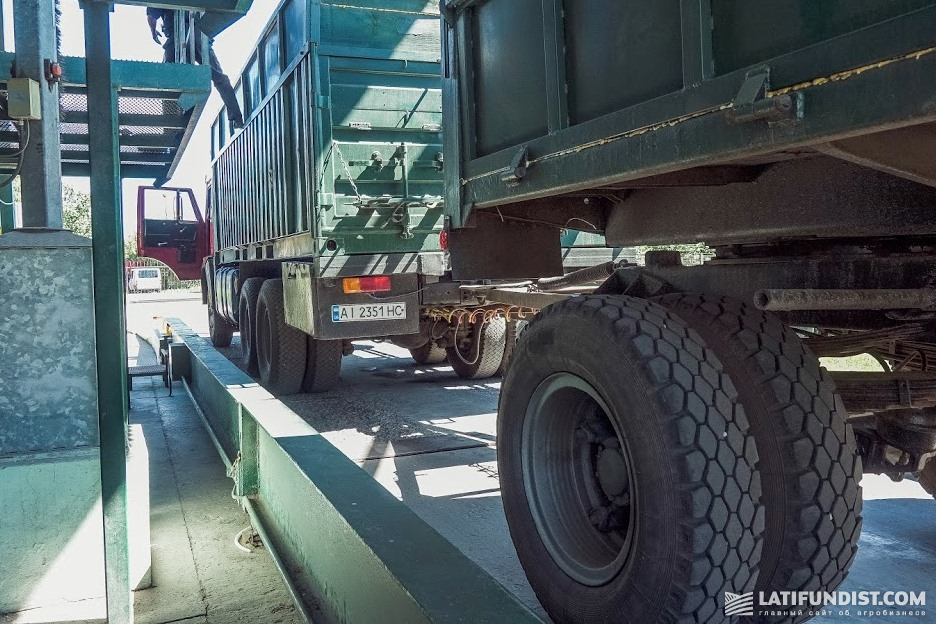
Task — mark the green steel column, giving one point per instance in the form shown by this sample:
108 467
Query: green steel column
7 217
108 253
34 37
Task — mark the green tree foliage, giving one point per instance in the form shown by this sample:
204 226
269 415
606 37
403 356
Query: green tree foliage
130 248
76 211
76 216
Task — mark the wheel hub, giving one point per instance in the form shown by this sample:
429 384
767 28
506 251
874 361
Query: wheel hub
578 480
612 472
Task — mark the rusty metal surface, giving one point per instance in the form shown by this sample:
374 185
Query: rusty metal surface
792 299
876 392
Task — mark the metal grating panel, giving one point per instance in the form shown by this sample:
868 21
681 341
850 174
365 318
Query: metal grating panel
153 124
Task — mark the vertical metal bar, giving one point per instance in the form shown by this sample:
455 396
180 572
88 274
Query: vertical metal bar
241 166
285 163
557 99
309 143
229 195
110 335
452 130
7 213
698 59
268 170
245 166
41 176
273 170
260 151
295 178
404 154
304 148
254 227
233 201
270 152
466 66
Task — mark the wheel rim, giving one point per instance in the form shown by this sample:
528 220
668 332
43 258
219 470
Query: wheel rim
578 480
463 347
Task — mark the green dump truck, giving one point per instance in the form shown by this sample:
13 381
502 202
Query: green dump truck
325 211
324 219
669 443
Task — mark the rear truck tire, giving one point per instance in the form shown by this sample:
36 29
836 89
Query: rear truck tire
809 463
247 320
429 353
927 477
323 364
510 343
281 349
627 472
490 352
220 330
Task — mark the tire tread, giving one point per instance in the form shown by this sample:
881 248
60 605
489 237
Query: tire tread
819 522
720 517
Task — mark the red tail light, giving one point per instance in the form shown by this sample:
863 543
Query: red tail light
443 240
370 283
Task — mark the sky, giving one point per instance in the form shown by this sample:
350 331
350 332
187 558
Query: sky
130 40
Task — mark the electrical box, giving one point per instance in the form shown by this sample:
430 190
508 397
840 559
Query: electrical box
23 99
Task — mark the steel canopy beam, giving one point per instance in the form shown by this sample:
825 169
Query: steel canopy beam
170 77
141 172
217 14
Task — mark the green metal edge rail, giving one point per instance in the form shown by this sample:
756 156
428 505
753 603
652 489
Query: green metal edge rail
353 549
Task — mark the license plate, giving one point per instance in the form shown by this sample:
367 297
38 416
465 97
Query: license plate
368 312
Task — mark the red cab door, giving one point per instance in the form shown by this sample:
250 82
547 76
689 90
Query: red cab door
171 228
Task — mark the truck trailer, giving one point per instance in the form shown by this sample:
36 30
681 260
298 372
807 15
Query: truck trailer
669 442
324 220
325 212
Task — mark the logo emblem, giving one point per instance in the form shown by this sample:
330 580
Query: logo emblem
739 604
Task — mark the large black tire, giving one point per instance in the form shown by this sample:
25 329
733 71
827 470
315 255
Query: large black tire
510 343
595 374
809 463
323 365
428 354
281 349
247 321
490 352
927 477
220 330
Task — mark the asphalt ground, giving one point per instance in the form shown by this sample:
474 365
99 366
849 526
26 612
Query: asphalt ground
429 438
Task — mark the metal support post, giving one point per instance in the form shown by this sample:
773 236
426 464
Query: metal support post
108 254
36 47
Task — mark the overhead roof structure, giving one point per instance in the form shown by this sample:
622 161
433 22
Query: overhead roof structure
216 15
159 103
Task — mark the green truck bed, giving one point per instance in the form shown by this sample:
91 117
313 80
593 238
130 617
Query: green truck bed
612 112
341 153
